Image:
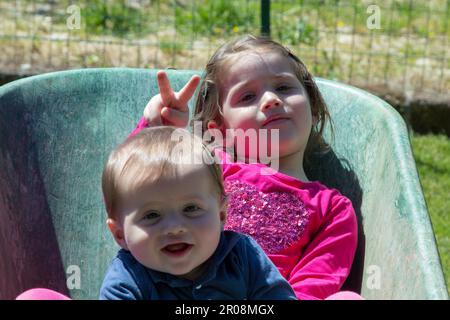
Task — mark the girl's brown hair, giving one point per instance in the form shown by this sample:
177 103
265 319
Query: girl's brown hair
208 106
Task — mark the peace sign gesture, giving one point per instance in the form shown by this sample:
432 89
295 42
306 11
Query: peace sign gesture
169 107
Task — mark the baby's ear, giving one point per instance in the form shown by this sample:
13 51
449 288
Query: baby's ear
223 210
117 231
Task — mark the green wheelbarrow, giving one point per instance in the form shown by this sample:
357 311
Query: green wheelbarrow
57 129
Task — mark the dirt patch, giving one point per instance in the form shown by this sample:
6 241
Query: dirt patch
424 112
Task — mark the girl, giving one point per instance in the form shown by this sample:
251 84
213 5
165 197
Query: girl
308 230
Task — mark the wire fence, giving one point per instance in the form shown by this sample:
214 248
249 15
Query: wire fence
401 44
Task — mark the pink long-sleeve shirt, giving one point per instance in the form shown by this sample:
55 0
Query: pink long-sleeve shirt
309 231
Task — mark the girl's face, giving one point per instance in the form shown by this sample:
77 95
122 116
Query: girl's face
174 224
259 90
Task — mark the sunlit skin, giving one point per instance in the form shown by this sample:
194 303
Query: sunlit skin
254 86
259 90
173 225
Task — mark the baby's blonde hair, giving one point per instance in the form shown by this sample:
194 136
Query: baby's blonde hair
208 106
143 159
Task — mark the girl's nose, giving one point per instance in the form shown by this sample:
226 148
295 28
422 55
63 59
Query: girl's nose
270 100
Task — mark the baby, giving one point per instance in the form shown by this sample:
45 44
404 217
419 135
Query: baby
166 209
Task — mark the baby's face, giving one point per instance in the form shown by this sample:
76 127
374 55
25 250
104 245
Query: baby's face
174 225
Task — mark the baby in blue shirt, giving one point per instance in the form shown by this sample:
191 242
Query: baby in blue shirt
166 209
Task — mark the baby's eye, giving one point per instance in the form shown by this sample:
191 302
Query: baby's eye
150 216
191 208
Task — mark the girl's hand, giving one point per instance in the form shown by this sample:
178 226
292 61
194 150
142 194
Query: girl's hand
169 107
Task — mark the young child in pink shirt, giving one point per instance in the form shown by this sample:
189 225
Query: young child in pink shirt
254 85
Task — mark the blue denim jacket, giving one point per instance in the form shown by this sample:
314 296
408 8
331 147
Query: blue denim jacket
239 269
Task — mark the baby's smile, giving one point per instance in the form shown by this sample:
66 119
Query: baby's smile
177 249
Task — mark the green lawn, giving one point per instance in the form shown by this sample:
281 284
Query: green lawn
432 155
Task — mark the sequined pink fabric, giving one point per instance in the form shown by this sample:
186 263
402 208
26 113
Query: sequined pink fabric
275 220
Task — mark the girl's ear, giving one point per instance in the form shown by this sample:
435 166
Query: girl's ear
213 125
117 231
217 132
315 120
222 140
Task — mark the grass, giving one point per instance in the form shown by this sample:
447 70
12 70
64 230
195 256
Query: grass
220 17
432 155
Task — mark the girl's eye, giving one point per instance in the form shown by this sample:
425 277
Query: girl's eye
246 97
283 88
